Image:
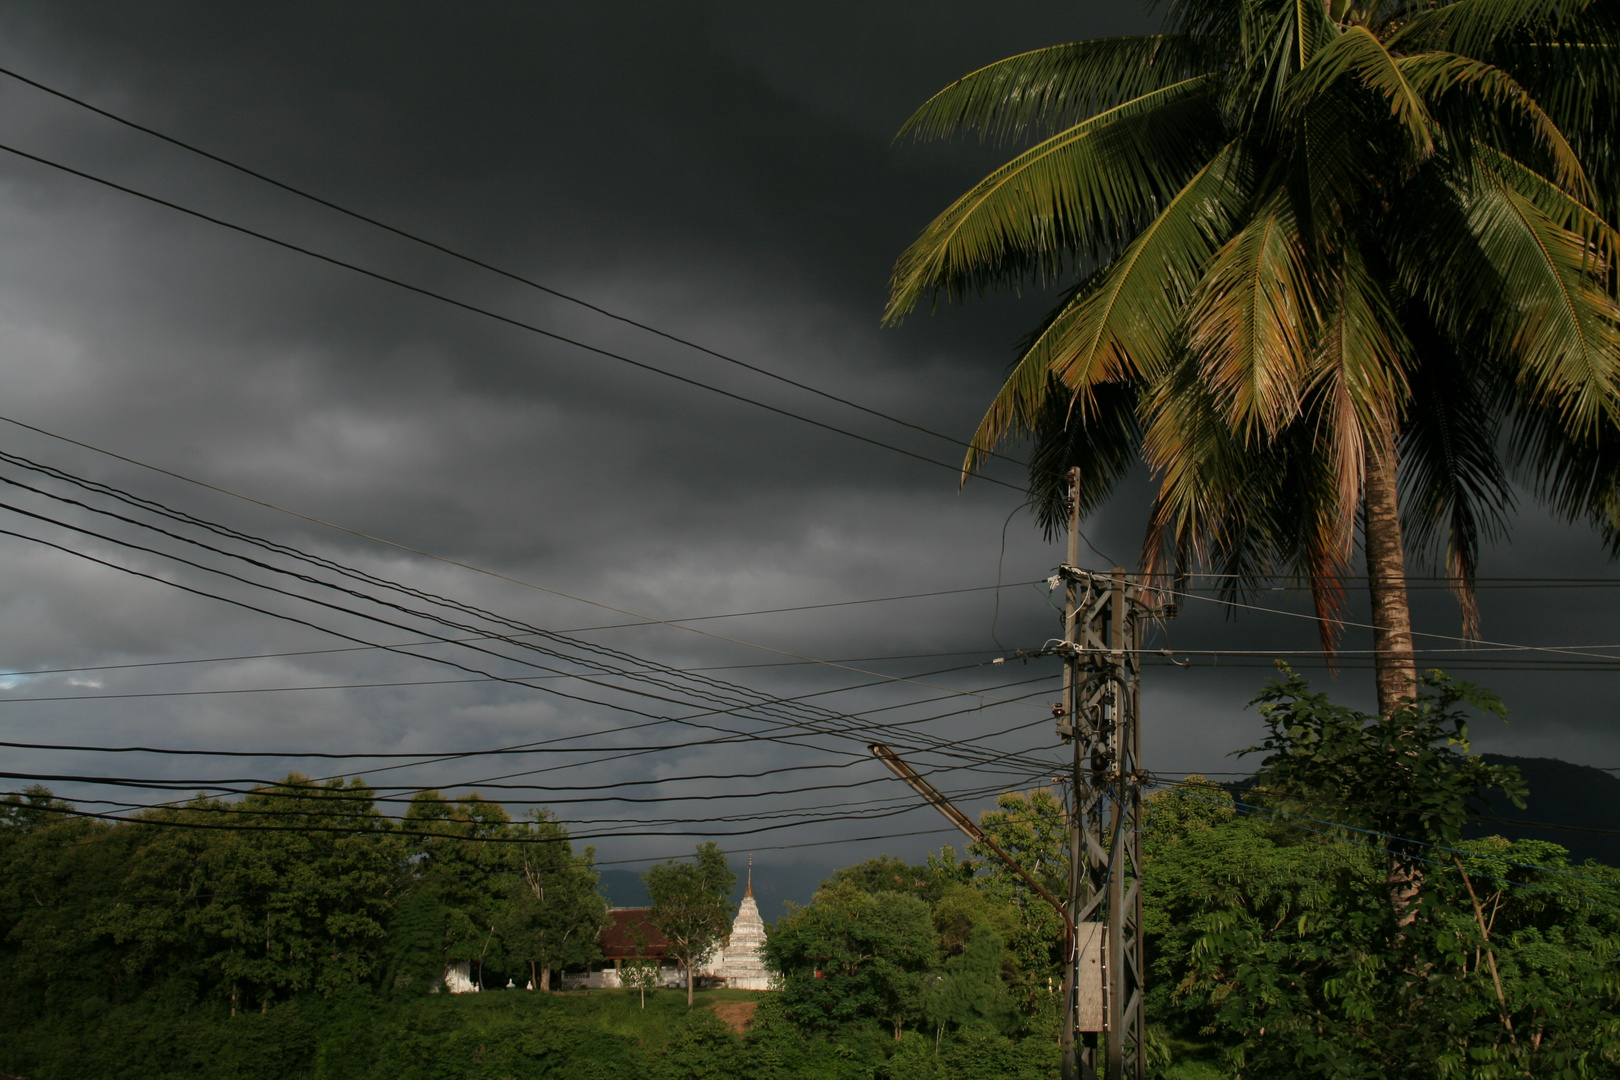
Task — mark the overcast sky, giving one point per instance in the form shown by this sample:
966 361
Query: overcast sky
722 171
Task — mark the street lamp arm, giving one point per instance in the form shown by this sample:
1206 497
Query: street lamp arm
969 829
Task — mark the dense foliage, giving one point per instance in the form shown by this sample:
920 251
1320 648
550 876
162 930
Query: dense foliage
297 888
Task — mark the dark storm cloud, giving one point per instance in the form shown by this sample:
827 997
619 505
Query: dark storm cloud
723 171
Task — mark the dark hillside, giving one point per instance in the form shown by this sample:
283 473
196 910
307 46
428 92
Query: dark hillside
1565 801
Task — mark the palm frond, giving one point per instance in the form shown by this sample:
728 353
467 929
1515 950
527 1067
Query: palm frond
1023 401
1254 320
1200 467
1103 444
1047 90
1454 485
1122 325
1126 326
1556 316
1359 387
1578 477
1244 508
1558 204
1305 523
1476 27
1070 196
1357 54
1277 40
1447 79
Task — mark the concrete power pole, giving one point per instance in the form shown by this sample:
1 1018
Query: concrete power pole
1105 1035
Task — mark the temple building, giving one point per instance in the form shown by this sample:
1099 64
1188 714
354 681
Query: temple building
740 962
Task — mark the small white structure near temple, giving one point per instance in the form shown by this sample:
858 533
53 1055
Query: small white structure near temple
458 978
740 962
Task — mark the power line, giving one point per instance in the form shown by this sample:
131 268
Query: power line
481 637
428 555
758 702
161 823
424 682
490 314
885 806
271 788
441 755
510 275
1370 626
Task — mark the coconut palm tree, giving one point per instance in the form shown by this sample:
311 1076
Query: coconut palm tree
1332 263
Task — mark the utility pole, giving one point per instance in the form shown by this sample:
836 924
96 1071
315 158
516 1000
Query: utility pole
1103 1035
1105 1032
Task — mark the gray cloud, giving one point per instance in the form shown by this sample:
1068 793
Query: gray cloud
721 171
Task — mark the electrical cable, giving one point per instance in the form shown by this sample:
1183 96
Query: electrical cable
432 682
159 508
488 313
811 813
31 673
618 754
481 264
170 783
335 607
1370 626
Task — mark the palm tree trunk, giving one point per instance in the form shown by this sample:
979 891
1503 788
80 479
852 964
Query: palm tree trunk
1392 630
1386 574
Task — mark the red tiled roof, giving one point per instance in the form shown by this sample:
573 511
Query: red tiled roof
617 944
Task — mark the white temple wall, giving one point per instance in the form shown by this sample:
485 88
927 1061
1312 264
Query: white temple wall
458 978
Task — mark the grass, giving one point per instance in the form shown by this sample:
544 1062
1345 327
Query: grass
613 1012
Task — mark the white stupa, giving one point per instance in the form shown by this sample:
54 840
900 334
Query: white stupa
741 960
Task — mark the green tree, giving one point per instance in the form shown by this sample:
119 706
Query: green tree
1332 262
298 899
691 906
853 954
1407 780
56 870
1032 827
1269 920
886 873
971 990
553 911
463 868
640 973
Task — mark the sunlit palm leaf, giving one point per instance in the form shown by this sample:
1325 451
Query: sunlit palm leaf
1410 232
1357 54
1359 387
1567 211
1122 326
1254 320
1050 89
1080 189
1562 325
